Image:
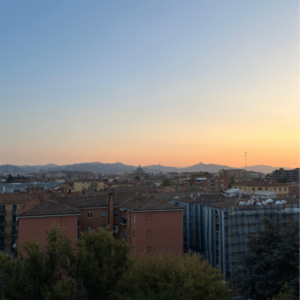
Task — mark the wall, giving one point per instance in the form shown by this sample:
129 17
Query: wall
166 231
79 185
35 227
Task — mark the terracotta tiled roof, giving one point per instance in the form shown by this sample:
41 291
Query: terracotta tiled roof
140 203
16 198
46 207
259 183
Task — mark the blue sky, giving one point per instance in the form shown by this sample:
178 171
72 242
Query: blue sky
148 81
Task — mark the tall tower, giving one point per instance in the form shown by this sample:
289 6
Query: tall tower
245 159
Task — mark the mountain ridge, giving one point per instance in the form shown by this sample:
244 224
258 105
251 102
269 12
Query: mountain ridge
98 167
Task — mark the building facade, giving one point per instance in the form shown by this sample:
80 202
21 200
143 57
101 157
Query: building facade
82 184
228 225
282 175
250 187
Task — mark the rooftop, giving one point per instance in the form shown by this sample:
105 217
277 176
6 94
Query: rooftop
46 207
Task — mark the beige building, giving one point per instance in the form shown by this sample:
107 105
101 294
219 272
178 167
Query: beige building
281 189
81 184
236 173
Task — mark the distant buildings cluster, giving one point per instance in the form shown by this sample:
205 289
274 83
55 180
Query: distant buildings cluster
198 212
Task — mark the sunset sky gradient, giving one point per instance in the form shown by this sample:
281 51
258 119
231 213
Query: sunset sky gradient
147 82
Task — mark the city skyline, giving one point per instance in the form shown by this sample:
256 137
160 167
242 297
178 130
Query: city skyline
173 83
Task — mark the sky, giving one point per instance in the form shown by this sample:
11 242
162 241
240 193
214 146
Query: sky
148 82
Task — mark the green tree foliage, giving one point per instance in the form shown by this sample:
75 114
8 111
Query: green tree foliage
38 274
231 182
272 261
286 293
171 276
101 262
9 178
166 182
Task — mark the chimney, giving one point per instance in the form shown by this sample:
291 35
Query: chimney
110 204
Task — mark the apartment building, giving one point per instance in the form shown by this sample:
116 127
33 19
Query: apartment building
9 204
39 214
208 184
7 188
228 224
150 225
250 187
153 225
194 219
236 173
285 175
87 183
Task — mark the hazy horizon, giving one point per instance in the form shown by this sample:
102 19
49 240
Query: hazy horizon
140 82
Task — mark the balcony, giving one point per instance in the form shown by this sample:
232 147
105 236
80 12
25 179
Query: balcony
2 212
13 223
123 221
14 233
2 223
14 211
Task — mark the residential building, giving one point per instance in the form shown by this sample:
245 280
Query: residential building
228 225
119 184
146 223
282 175
236 173
172 174
151 226
194 219
6 188
86 183
9 204
250 187
39 214
208 184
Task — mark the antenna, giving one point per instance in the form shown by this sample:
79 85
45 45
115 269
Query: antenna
245 159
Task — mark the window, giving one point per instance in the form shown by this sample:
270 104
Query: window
116 213
116 228
266 189
148 250
259 189
148 218
217 227
279 189
133 233
63 223
148 234
253 189
133 217
274 189
284 189
90 215
103 227
89 228
103 213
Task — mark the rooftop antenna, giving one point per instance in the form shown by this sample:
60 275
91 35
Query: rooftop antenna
245 159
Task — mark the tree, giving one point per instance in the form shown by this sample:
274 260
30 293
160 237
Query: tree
39 274
231 182
9 178
171 276
286 293
272 261
166 182
101 262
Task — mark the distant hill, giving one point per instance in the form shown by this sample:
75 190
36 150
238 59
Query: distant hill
116 168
